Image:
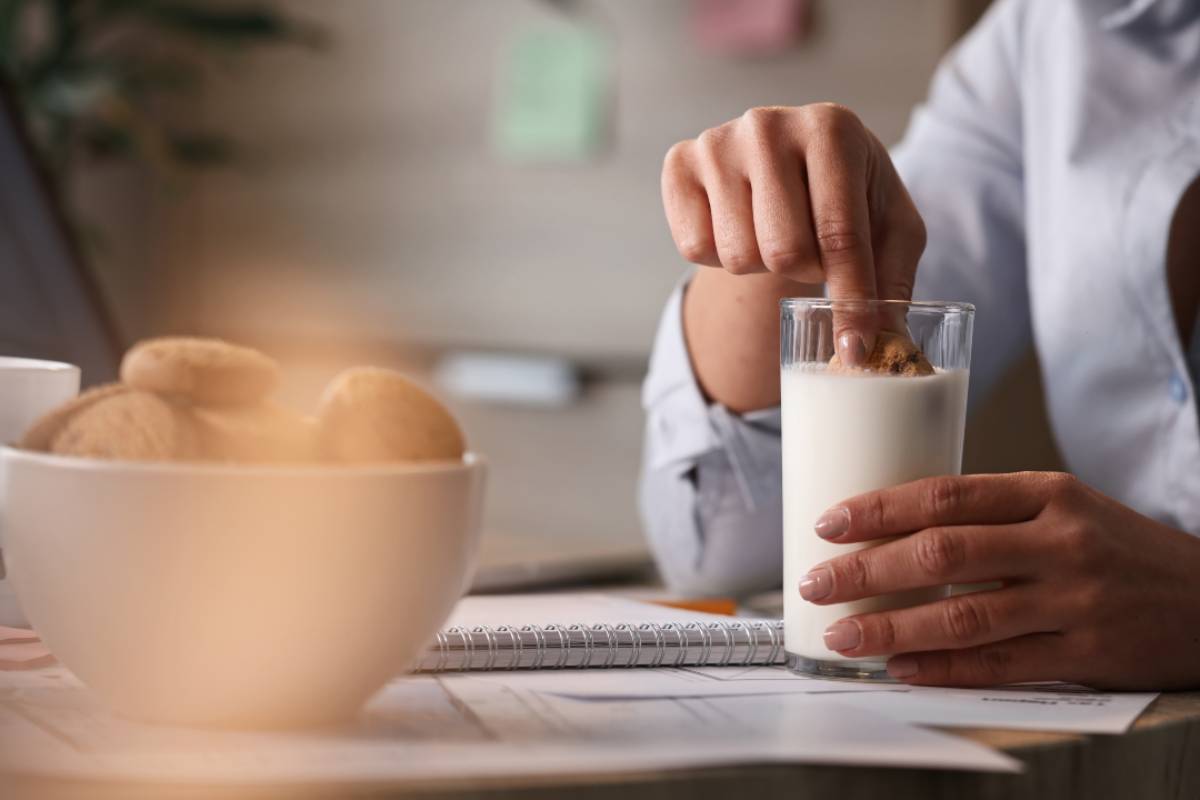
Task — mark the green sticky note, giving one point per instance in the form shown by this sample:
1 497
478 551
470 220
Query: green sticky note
553 95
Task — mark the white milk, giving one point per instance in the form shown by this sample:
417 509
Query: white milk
844 434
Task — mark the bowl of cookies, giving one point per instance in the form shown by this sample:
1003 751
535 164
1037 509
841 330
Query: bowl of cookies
199 554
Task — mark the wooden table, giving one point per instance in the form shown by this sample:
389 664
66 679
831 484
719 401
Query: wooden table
1159 758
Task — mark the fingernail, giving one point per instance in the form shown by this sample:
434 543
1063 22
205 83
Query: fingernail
833 523
852 349
902 667
816 584
843 635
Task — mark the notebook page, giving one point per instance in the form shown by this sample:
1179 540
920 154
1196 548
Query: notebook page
566 609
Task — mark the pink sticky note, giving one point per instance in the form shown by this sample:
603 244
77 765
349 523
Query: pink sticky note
749 27
26 655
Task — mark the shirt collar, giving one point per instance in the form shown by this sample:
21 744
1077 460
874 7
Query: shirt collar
1119 13
1112 15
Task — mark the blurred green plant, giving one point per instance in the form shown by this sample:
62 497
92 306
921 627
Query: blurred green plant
90 74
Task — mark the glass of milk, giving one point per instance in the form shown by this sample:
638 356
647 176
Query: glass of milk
846 432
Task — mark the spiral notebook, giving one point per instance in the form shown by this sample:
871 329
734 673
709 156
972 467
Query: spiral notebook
580 631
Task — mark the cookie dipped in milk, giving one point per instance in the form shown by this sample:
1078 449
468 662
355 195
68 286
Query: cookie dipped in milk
847 430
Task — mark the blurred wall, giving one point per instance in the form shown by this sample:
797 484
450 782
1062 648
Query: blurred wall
374 220
378 201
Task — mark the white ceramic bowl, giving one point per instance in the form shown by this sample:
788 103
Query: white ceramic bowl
238 595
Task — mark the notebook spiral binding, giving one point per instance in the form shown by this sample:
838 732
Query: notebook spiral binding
672 644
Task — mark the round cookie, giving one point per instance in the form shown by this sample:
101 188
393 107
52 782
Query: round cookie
130 426
43 430
893 354
369 414
205 371
265 432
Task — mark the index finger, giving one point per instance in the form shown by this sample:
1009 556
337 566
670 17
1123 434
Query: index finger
937 502
837 188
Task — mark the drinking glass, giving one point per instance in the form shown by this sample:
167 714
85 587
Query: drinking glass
847 431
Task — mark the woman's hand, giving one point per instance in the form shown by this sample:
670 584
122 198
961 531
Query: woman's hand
1092 592
808 194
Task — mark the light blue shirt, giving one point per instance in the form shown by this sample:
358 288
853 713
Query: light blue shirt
1047 162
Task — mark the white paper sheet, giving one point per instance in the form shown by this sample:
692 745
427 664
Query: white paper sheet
730 730
1047 708
419 729
1059 709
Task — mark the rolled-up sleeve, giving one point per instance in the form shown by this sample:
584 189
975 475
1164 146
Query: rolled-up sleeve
710 484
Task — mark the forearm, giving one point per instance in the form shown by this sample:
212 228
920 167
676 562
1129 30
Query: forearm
709 489
731 324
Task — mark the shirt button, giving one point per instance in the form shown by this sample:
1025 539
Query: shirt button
1178 388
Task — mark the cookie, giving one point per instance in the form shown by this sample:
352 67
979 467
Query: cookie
264 432
128 425
43 430
893 354
369 414
204 371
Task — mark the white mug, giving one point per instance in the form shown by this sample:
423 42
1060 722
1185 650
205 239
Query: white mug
28 389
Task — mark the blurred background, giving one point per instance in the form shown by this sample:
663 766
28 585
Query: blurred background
463 188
